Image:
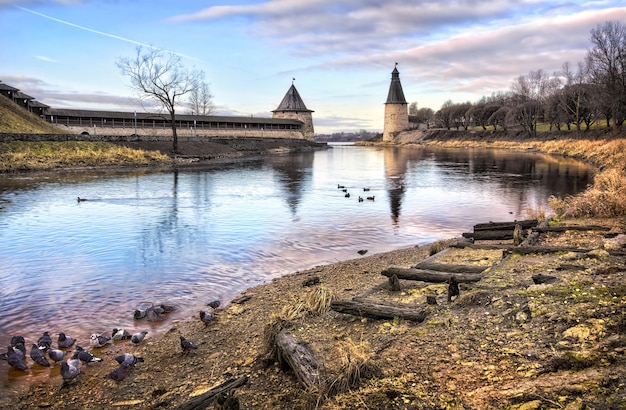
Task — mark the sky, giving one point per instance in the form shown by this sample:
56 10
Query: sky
340 52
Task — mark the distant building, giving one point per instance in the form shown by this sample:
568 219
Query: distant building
396 109
292 107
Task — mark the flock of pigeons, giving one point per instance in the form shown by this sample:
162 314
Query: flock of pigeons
43 354
347 194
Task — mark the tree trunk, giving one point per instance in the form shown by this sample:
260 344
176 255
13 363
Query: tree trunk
378 310
299 357
174 135
430 275
205 400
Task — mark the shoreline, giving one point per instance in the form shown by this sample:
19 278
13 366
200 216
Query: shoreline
460 356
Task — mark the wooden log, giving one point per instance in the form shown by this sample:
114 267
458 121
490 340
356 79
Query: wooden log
494 235
205 400
570 228
378 310
430 275
526 250
448 267
299 357
496 226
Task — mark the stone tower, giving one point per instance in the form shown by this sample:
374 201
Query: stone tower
293 107
396 108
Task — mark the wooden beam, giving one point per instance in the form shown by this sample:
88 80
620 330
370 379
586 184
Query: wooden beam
378 310
430 275
495 226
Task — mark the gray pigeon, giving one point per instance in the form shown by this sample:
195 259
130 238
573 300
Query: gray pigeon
16 360
69 370
138 337
17 339
139 314
20 349
206 318
120 334
57 355
128 359
84 356
45 341
187 345
119 373
98 340
65 341
38 357
215 304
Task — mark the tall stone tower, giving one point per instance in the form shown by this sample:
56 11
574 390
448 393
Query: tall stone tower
293 107
396 108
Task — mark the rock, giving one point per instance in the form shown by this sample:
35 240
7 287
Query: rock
599 254
616 243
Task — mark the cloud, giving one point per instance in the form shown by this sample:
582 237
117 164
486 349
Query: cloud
46 59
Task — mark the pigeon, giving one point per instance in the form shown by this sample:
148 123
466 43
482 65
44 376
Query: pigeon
206 318
20 349
65 341
119 373
139 314
187 345
120 334
69 370
128 359
167 308
57 355
138 337
98 340
215 304
84 356
45 341
362 251
16 360
38 357
17 339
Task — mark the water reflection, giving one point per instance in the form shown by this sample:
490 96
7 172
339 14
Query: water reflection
191 236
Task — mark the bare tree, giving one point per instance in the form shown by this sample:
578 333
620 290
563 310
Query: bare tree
413 108
201 100
159 76
531 92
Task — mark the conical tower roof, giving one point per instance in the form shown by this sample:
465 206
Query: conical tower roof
396 95
292 102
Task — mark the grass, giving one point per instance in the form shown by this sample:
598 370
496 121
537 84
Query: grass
20 155
16 120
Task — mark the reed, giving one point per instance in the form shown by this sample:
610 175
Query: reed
20 155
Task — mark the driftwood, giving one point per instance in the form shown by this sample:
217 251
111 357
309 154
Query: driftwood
498 226
378 310
205 400
526 250
299 357
448 267
494 235
571 228
432 276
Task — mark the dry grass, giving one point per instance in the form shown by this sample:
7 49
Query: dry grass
20 155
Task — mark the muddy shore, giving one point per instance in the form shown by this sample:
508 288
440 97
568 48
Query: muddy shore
505 342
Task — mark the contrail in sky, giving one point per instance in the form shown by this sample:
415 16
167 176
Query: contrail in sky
96 31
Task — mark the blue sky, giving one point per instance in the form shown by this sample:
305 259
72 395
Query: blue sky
341 52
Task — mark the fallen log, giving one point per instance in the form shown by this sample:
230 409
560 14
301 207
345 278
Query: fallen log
493 235
526 250
432 276
497 226
205 400
378 310
448 267
299 357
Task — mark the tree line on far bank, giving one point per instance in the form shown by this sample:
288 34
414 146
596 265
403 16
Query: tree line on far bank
578 97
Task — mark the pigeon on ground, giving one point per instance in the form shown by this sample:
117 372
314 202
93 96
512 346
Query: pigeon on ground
69 370
120 334
45 341
57 355
187 345
15 359
65 341
139 314
98 340
17 339
206 318
20 349
138 337
128 359
38 357
119 373
84 356
215 304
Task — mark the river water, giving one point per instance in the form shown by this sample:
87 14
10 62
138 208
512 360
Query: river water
193 236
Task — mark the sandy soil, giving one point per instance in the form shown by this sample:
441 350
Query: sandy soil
504 343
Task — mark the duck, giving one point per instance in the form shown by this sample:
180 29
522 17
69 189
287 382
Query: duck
79 199
360 199
347 195
370 198
340 186
366 189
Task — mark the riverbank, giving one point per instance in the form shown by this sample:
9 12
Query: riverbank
504 342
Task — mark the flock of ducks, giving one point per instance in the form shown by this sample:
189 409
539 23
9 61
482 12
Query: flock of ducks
347 194
78 358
